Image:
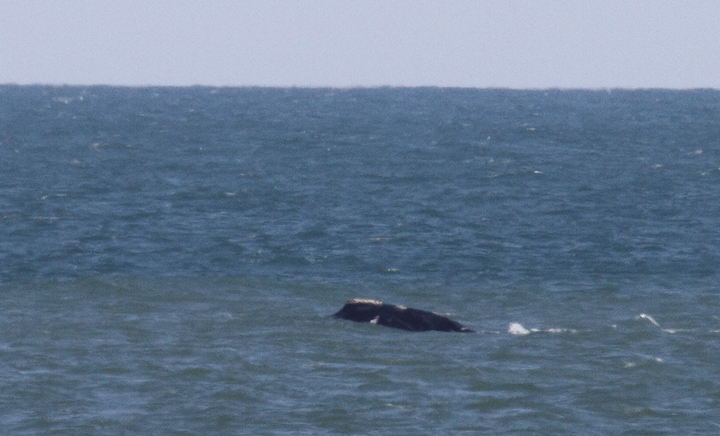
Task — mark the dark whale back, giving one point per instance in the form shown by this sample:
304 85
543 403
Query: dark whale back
401 317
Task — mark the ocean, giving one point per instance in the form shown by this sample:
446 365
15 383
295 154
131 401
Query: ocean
170 257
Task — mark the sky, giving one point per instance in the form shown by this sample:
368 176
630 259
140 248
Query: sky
521 44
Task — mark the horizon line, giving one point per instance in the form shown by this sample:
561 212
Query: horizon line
359 87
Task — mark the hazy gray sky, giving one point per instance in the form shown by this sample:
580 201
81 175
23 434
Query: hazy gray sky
340 43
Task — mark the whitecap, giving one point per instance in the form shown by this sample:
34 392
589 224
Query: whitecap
558 330
516 328
649 318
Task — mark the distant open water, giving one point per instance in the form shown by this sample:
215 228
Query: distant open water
169 257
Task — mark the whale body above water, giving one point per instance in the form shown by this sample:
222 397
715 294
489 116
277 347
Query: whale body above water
400 317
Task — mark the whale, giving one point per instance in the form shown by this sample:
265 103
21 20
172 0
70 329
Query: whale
399 317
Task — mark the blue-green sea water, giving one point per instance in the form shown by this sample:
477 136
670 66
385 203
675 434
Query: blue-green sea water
169 258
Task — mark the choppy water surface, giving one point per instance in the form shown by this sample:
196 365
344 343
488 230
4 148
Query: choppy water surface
168 259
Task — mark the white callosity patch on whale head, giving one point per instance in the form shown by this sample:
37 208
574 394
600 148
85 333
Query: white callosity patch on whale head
364 301
375 320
